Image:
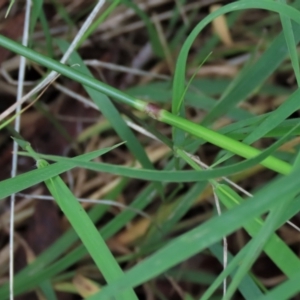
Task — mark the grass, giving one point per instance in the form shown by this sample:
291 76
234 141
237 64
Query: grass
159 169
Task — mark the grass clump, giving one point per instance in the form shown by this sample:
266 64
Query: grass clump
202 160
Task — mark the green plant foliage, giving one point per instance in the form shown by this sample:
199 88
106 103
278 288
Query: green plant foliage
171 237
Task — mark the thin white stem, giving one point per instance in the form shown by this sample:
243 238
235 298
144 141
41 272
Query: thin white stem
65 57
141 130
225 244
86 101
97 63
293 225
230 182
82 31
202 164
93 201
17 107
15 148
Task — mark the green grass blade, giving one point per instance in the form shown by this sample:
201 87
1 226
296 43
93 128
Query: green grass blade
290 42
36 9
178 134
31 277
48 290
164 176
290 211
38 270
190 127
230 269
275 118
231 199
86 230
48 37
26 180
247 287
239 133
276 249
267 63
70 72
108 109
296 164
204 235
223 141
23 181
258 243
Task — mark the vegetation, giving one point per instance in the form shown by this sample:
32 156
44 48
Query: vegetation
176 124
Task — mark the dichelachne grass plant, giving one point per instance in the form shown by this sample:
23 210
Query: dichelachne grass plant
142 142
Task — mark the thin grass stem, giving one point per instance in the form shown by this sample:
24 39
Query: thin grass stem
21 76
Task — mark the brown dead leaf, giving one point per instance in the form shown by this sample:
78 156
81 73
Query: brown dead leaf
133 232
220 27
85 286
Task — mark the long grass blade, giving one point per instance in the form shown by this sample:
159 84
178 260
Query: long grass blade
86 230
204 235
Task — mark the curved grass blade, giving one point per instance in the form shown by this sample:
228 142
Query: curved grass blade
18 183
36 176
239 133
164 176
178 134
204 235
265 70
164 116
290 42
